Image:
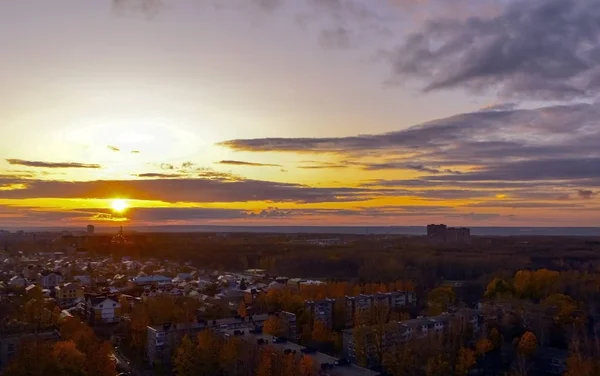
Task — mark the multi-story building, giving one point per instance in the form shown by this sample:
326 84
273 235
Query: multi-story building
392 300
321 310
369 342
68 292
444 233
49 279
102 309
163 340
10 343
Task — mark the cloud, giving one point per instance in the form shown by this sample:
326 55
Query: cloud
113 148
586 194
249 164
336 38
158 175
534 49
215 189
135 152
21 162
477 139
149 8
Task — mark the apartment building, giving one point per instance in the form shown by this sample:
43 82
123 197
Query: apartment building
392 300
321 310
399 333
10 343
163 340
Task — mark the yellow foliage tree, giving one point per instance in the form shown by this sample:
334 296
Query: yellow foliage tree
464 361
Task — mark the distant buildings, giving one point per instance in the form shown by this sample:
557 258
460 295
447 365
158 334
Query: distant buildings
91 230
444 233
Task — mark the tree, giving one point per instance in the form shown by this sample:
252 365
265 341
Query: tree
499 288
440 299
306 367
482 347
185 361
562 306
527 344
320 333
209 348
265 364
273 326
69 360
437 366
464 362
98 361
242 311
496 338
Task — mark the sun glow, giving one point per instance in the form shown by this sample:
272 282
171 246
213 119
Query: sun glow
119 205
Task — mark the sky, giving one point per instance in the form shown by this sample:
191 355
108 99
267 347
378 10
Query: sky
299 112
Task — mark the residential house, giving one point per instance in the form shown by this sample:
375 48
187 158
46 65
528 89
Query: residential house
69 292
17 281
102 309
49 279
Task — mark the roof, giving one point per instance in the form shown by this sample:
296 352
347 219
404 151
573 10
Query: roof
151 279
97 299
48 272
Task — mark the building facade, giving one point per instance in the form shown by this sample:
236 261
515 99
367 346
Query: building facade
321 310
49 279
102 309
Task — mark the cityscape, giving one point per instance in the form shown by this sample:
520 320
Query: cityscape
300 188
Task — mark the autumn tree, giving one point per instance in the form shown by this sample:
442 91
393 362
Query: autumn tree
69 360
465 361
307 366
98 362
526 347
320 333
265 365
440 299
242 310
209 348
499 288
185 361
274 326
437 366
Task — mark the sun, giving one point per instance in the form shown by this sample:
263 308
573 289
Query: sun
119 205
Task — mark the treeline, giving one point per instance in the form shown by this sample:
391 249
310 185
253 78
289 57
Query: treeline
369 258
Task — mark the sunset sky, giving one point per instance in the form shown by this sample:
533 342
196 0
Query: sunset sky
299 112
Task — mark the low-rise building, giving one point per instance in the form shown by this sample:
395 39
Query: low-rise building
68 292
49 279
102 309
